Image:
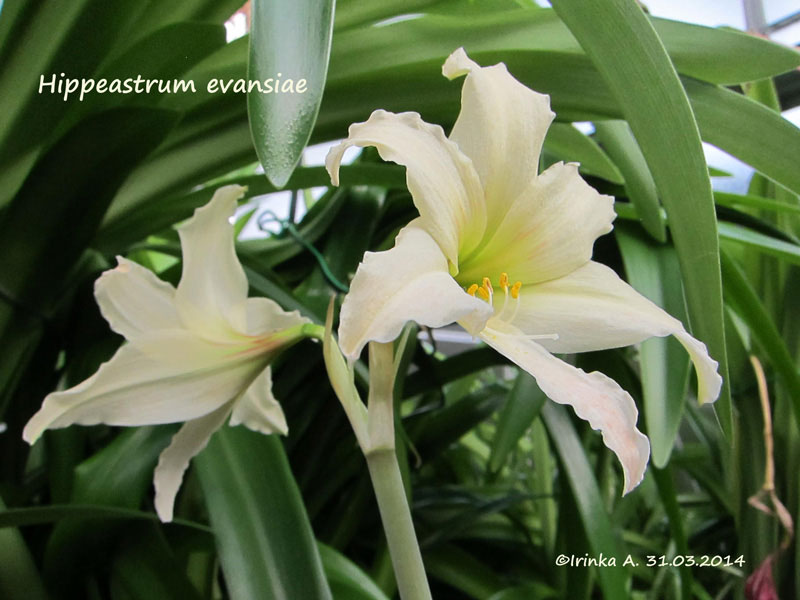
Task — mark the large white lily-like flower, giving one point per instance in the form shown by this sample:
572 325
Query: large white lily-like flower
196 354
506 252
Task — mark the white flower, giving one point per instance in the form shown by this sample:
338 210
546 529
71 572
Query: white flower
487 220
196 354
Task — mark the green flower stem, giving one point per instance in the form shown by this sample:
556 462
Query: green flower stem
387 482
396 517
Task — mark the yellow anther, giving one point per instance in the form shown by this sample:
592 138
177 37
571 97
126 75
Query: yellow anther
504 280
472 289
515 289
487 285
483 293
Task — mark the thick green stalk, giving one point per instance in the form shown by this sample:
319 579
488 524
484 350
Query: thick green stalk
412 583
396 517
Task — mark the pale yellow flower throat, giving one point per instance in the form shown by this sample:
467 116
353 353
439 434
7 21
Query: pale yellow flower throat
486 292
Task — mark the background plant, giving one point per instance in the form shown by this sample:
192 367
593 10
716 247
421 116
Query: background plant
501 483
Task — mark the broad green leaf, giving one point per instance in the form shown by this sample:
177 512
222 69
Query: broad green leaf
66 39
569 144
346 579
626 50
160 14
520 410
653 271
63 200
621 146
714 55
723 55
178 166
288 41
264 539
748 130
119 475
581 479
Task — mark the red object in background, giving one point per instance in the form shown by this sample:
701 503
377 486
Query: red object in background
761 585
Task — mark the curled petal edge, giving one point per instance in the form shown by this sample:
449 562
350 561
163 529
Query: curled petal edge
593 396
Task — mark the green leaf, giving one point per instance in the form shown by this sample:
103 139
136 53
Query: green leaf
435 373
653 271
146 567
288 40
750 201
520 410
596 522
439 430
19 579
454 566
47 40
618 141
62 201
128 223
65 196
346 579
622 44
119 475
759 241
570 144
264 538
748 305
526 592
722 55
748 130
37 515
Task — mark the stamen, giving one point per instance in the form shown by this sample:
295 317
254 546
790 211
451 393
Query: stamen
504 285
487 287
471 290
484 294
515 295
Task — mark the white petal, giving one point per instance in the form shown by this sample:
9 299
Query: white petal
442 181
133 300
501 127
594 397
213 287
164 377
410 282
593 309
266 316
258 410
547 233
174 460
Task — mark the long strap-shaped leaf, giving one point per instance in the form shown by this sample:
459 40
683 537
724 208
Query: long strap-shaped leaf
290 42
625 48
265 542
